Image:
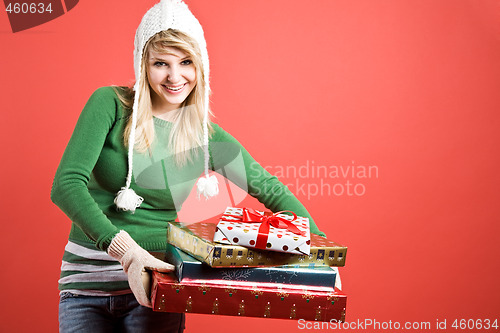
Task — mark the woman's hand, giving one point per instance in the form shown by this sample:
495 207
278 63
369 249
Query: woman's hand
135 261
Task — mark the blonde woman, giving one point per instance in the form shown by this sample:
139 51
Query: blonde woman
133 158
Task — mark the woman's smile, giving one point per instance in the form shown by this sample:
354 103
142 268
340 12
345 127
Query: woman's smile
174 89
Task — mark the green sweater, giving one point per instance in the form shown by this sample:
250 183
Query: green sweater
94 166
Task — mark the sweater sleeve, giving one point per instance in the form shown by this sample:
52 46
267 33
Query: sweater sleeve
251 176
69 188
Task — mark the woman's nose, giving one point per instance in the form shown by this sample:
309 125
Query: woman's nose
173 75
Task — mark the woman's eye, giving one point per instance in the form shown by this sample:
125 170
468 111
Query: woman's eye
187 62
159 63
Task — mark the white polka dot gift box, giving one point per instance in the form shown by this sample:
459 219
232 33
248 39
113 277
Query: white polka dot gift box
264 230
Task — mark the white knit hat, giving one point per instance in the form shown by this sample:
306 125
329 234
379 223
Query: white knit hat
167 14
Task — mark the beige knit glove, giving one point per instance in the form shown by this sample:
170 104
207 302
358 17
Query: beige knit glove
135 260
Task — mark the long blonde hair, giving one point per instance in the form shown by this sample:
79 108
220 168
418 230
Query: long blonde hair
187 129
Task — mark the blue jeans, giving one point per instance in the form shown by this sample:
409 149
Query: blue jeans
100 314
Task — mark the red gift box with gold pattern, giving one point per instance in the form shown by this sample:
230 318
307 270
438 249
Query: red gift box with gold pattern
246 299
196 239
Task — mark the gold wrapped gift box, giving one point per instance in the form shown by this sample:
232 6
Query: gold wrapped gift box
196 239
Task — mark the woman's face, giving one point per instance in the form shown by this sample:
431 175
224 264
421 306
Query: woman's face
172 77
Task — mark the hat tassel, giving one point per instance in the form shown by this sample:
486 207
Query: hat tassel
208 186
127 199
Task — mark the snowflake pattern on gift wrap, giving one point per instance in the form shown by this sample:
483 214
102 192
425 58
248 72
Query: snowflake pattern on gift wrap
280 276
236 274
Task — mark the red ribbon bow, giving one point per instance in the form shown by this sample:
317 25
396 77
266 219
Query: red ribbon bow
266 220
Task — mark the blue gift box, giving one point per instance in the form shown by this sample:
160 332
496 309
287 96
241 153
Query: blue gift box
188 267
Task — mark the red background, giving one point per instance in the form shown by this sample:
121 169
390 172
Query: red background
411 87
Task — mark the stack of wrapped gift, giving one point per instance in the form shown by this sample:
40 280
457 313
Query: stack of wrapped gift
253 264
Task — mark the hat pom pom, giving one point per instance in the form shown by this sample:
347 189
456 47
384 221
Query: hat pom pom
127 199
208 186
